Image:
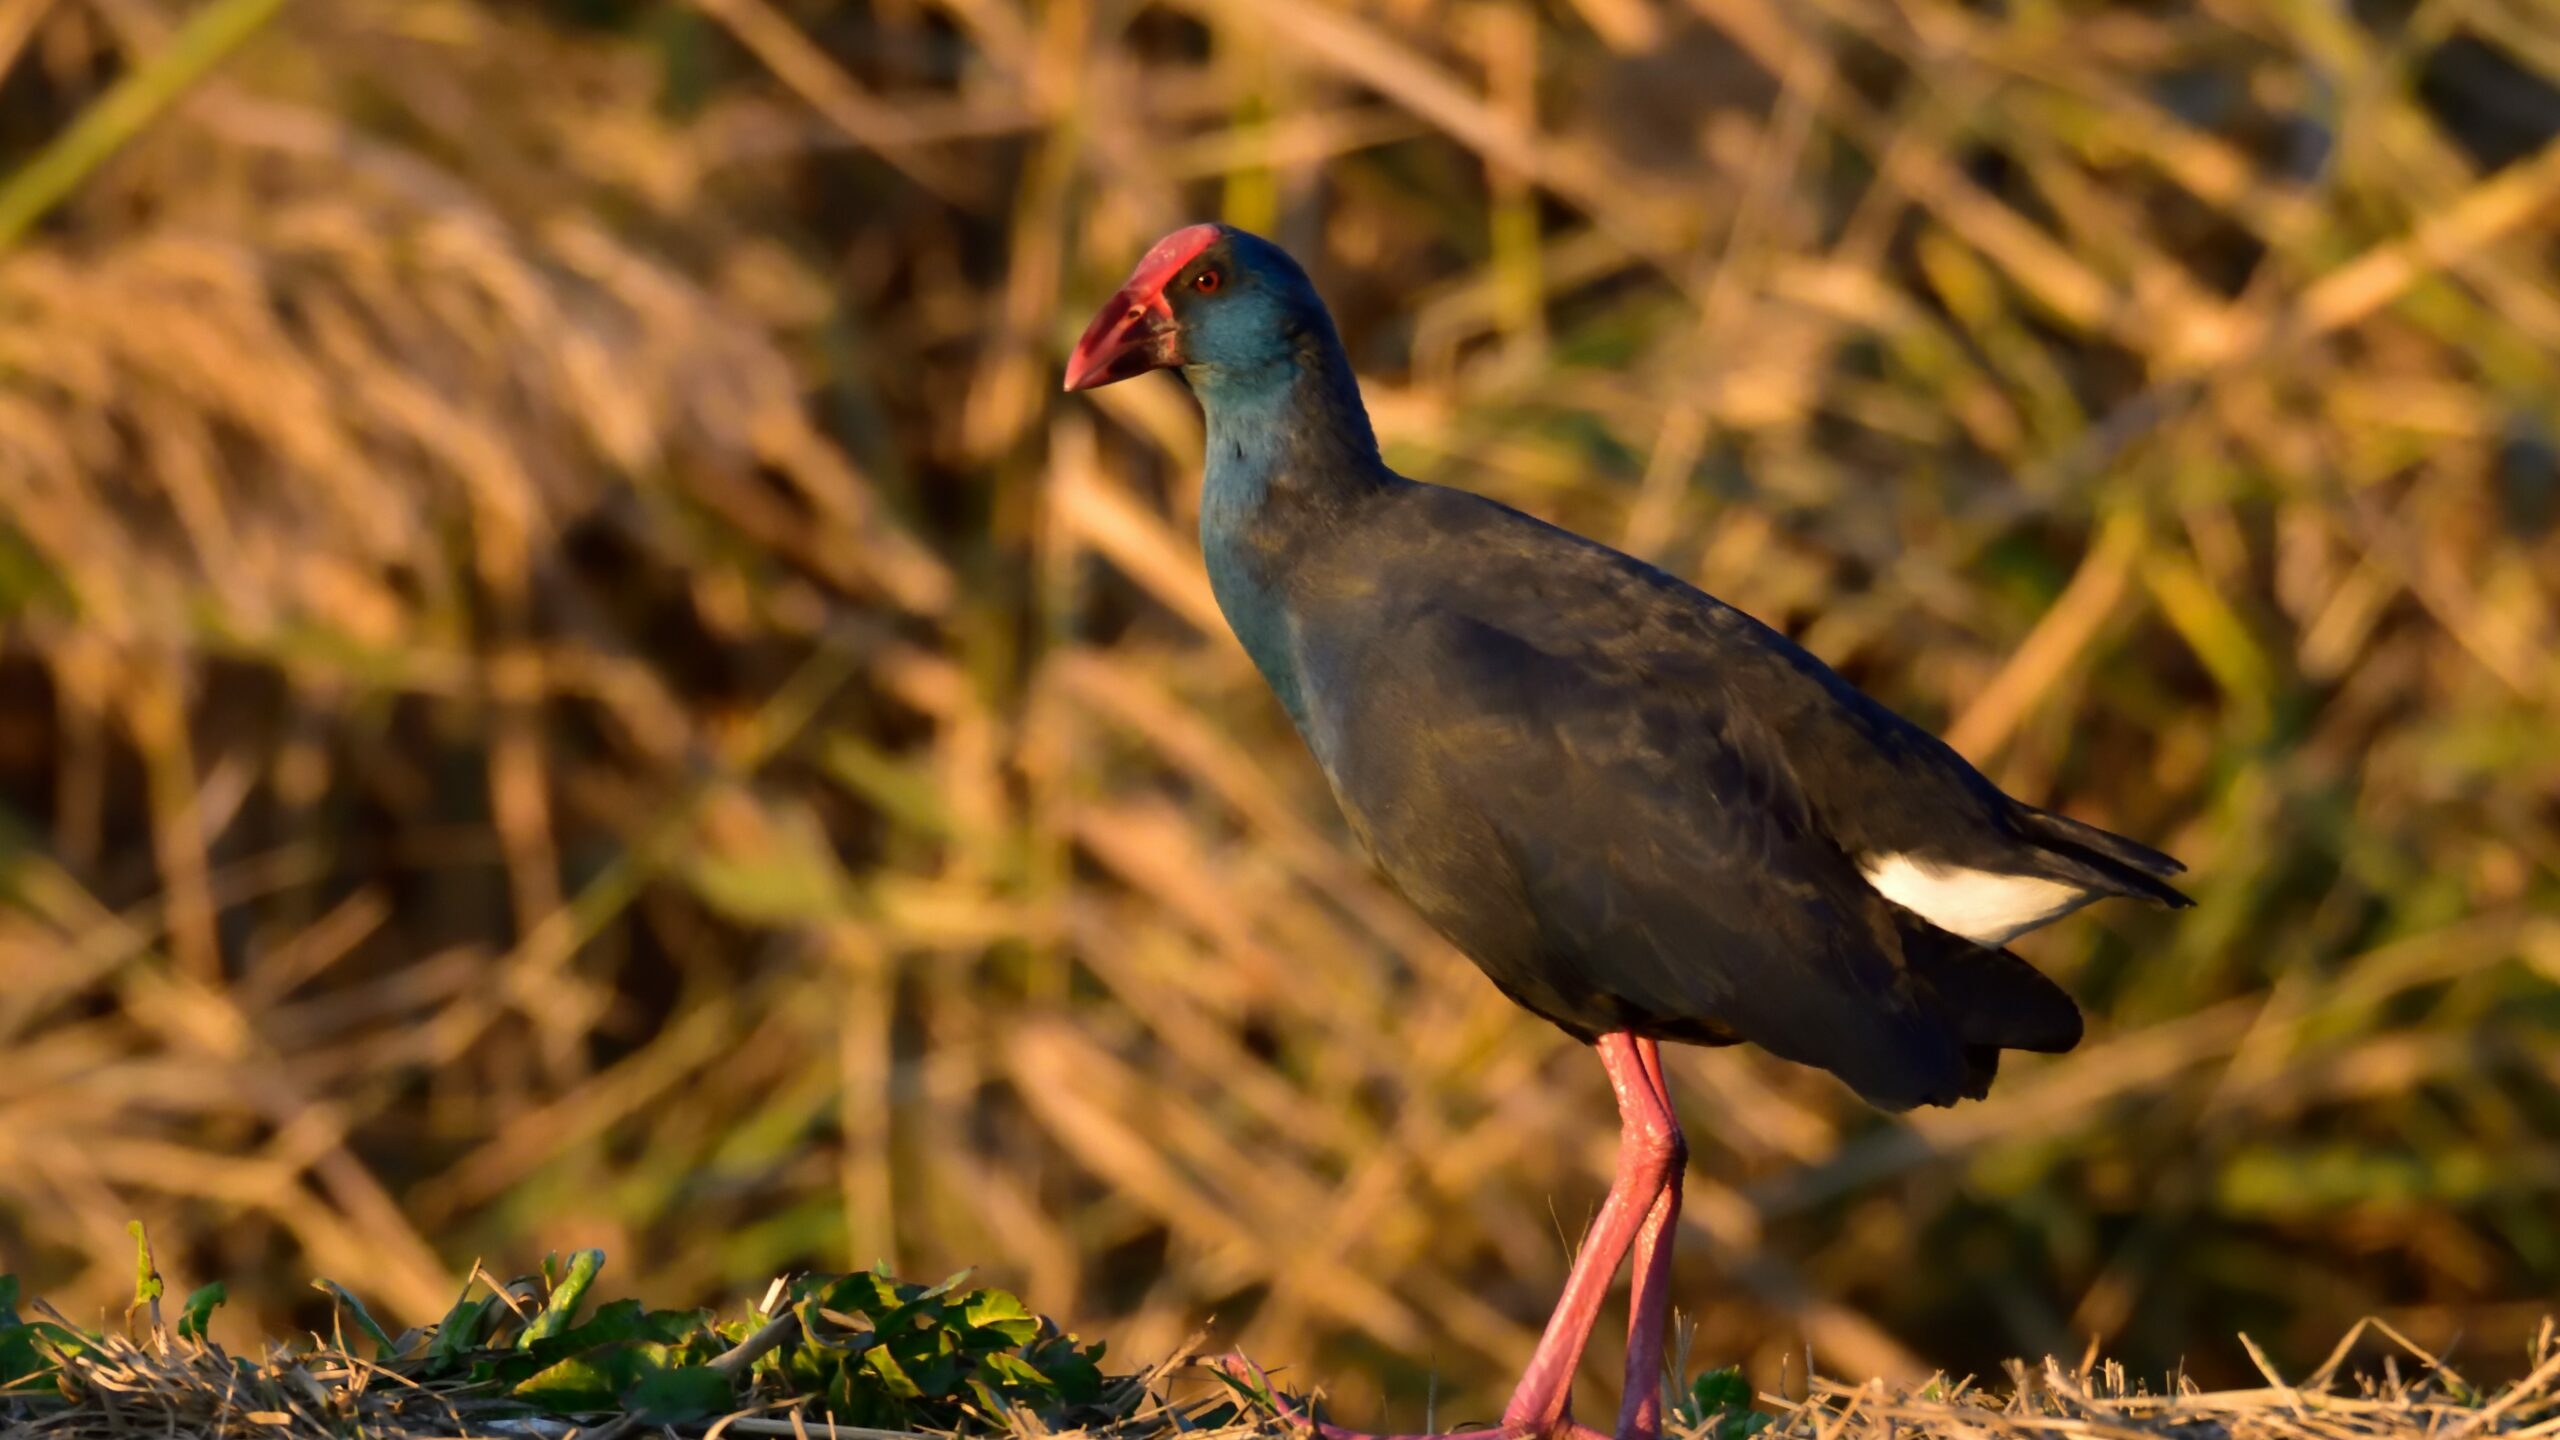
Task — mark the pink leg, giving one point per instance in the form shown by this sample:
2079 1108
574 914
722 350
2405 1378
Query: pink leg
1646 1137
1650 1153
1648 1310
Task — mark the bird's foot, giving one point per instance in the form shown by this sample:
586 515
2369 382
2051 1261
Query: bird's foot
1299 1422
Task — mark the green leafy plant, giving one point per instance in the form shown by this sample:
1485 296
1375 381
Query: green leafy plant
199 1309
623 1357
1719 1407
32 1351
859 1349
902 1356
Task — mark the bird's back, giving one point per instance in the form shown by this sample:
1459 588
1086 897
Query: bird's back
1638 808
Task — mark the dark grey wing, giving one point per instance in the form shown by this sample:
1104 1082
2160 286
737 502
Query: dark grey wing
1620 797
1881 785
1875 783
1621 851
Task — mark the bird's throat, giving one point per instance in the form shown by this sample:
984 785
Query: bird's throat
1289 457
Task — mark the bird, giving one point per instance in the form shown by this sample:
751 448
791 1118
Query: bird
1644 814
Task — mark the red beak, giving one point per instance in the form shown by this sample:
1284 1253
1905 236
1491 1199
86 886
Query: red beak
1135 332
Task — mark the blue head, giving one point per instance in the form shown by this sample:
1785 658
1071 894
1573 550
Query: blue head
1242 322
1289 444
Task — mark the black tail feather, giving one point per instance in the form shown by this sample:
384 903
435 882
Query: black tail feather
1996 999
2103 859
1981 1067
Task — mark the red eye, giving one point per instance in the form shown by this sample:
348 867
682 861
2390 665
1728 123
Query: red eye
1207 282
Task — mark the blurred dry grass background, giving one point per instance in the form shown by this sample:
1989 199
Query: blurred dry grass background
568 680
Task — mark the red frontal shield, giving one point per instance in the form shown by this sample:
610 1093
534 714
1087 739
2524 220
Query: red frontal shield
1134 331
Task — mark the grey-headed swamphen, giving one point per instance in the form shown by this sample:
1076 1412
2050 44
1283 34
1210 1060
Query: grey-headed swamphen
1645 814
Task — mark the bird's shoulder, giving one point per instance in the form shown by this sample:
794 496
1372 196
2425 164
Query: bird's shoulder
1463 568
1462 556
1459 553
1508 616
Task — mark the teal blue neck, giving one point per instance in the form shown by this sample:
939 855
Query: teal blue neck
1289 449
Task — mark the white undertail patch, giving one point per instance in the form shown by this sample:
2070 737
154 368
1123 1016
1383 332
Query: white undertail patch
1982 906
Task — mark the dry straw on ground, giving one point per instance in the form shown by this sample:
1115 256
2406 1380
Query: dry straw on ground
166 1386
568 680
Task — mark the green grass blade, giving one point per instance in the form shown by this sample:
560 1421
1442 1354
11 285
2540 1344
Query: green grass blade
126 110
384 1348
563 1307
